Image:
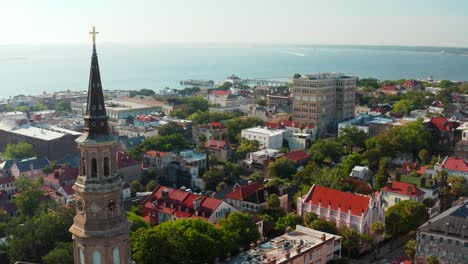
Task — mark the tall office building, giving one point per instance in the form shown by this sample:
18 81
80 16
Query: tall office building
323 99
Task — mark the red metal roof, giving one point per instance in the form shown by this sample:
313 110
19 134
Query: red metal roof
404 188
358 203
455 164
155 153
214 144
286 123
245 191
4 180
442 124
146 118
297 155
411 83
389 88
220 92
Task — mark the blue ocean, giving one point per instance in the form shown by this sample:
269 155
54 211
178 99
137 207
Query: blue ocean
34 69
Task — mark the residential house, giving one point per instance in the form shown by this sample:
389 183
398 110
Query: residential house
362 173
298 136
443 130
389 90
211 131
348 209
5 167
219 97
158 159
266 137
461 147
63 176
126 142
67 192
7 185
146 121
300 157
166 204
196 163
32 168
302 245
453 166
128 167
219 149
395 192
259 159
444 236
253 197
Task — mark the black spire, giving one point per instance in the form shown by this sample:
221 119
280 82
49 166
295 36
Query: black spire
96 120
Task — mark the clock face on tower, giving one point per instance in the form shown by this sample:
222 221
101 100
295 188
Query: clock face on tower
111 206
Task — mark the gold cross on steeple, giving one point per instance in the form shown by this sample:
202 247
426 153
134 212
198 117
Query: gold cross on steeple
94 35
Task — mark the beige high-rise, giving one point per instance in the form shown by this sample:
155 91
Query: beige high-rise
323 100
101 230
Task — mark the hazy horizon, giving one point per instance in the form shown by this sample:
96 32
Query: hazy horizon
429 23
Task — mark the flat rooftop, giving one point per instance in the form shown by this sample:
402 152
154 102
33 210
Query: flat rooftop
263 130
43 132
123 105
277 247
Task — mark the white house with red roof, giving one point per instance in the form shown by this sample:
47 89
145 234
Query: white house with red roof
395 192
300 157
348 209
158 159
453 166
253 197
389 90
218 97
166 204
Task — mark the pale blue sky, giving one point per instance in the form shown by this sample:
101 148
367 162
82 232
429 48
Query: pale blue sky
380 22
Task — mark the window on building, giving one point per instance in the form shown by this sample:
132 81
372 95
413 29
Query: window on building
106 166
97 257
83 166
116 255
93 167
397 200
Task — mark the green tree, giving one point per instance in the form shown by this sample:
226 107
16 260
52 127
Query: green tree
411 214
179 113
28 196
235 126
445 84
151 185
423 155
378 229
197 103
137 221
63 106
289 220
135 186
326 151
262 102
181 241
351 136
309 217
403 107
324 226
351 161
257 176
432 260
212 179
273 201
457 185
20 150
350 239
62 253
282 168
410 249
382 175
171 128
239 228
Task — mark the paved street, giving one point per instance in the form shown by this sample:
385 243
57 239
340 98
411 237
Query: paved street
388 253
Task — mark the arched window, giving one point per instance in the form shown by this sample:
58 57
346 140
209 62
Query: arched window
106 166
116 254
93 167
97 258
83 166
81 256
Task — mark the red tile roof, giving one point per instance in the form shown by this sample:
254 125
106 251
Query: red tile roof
155 153
404 188
286 123
358 203
245 191
216 125
297 155
146 118
220 92
4 180
389 88
124 160
455 164
214 144
180 203
411 83
442 124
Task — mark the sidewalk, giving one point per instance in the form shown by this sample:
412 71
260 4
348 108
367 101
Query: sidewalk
389 252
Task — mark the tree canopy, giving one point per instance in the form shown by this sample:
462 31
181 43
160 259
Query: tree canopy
20 150
406 215
326 151
283 168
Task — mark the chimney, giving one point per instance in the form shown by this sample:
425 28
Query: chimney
196 203
324 237
389 185
165 195
298 249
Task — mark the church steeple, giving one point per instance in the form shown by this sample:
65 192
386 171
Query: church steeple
100 230
96 120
